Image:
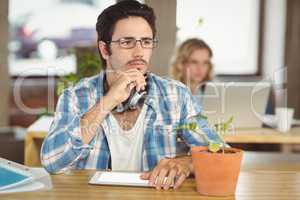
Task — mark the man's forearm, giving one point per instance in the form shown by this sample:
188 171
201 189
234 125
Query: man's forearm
94 117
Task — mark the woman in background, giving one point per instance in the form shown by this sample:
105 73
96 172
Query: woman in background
192 65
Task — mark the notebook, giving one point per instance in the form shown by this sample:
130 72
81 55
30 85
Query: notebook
13 174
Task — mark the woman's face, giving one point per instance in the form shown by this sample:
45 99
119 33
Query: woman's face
197 66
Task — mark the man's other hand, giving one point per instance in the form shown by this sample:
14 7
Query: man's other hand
169 172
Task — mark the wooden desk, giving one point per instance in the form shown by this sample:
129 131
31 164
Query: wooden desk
264 135
252 185
37 132
33 140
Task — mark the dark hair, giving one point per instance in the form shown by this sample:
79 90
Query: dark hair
110 16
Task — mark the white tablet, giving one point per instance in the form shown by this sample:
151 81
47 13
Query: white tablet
119 178
13 174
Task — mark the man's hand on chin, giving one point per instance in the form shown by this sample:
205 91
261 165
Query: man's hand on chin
174 170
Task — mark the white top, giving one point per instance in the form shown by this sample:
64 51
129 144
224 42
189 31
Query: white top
125 145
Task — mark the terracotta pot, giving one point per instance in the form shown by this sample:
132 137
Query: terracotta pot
216 173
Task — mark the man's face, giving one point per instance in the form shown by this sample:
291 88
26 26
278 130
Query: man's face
135 58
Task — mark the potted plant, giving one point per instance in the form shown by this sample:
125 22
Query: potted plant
88 64
216 166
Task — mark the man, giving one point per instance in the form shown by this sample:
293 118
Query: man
95 127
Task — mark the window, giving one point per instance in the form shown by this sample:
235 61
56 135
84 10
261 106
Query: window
43 34
230 27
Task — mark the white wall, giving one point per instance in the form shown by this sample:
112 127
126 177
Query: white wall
230 27
274 47
165 11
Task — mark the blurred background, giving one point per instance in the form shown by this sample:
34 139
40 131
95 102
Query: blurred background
45 45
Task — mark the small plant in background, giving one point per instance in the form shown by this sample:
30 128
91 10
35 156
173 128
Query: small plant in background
220 128
200 21
88 64
45 112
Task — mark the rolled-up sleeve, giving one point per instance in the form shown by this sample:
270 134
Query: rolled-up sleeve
63 145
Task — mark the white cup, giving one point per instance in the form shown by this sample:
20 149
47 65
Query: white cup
284 118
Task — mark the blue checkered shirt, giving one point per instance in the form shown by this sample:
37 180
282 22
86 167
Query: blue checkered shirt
168 104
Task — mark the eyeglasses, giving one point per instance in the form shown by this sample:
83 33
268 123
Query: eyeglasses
130 42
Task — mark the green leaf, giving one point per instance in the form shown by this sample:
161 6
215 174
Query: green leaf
46 112
214 147
200 116
189 126
230 120
200 21
222 128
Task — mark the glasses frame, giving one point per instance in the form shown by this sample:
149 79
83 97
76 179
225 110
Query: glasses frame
119 41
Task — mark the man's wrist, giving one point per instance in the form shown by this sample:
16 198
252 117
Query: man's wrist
188 161
102 108
108 104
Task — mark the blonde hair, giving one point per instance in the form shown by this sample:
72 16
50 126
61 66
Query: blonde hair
182 55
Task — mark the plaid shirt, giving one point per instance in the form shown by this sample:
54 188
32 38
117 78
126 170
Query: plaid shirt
168 104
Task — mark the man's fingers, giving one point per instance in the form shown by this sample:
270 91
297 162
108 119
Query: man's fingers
130 86
125 79
161 178
140 84
170 179
131 82
169 172
153 176
145 176
157 170
179 181
138 77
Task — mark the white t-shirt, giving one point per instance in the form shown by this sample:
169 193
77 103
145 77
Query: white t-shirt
125 145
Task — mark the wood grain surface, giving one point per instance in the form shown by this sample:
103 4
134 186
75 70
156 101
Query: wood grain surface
252 185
